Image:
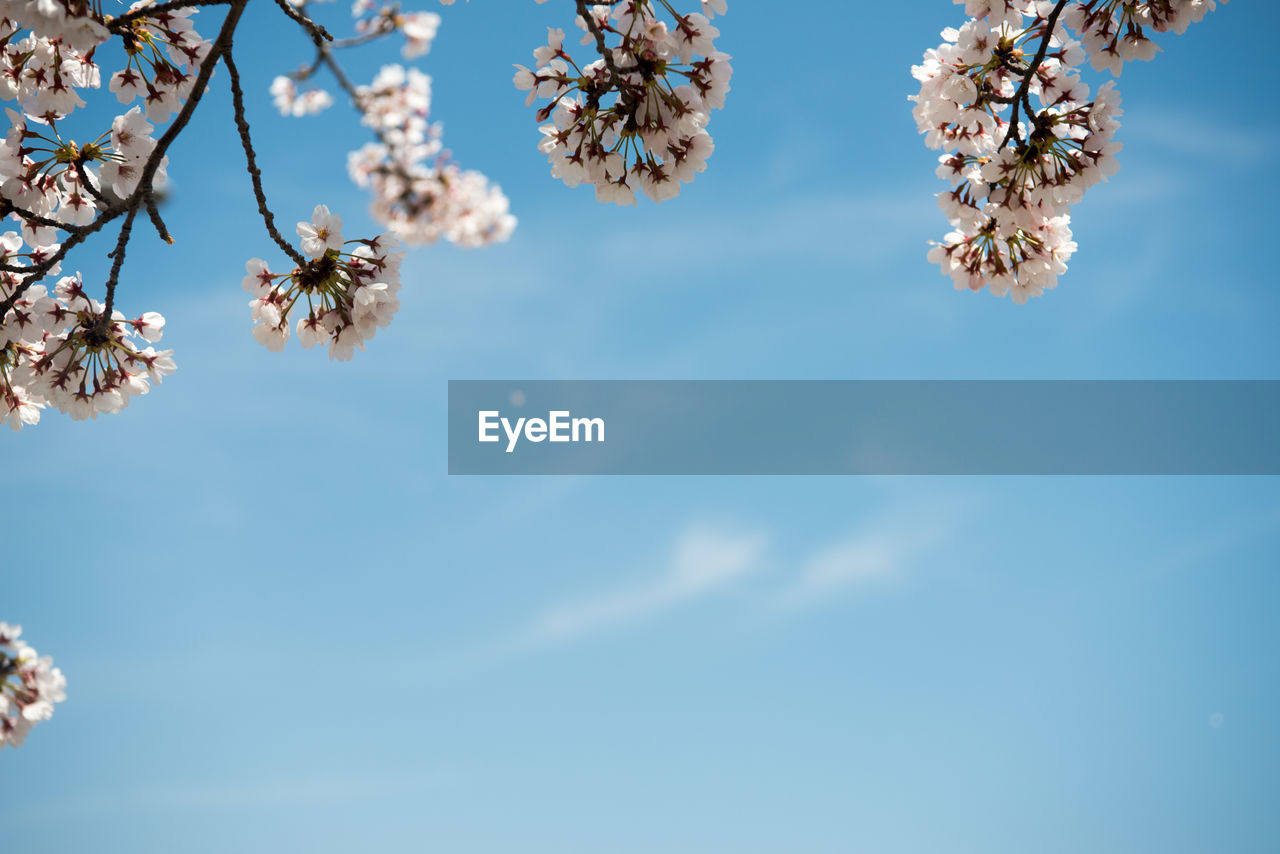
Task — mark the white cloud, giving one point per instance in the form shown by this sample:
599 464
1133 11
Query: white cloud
856 561
704 562
881 551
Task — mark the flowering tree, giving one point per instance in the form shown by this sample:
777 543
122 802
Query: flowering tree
1025 141
633 118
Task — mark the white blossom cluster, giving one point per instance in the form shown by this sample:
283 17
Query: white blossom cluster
46 55
44 173
29 687
419 28
419 194
634 119
163 52
292 101
42 74
417 191
60 349
63 348
340 297
1114 33
56 179
74 23
1025 141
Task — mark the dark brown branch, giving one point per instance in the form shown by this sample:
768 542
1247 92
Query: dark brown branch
356 101
1022 96
144 190
122 23
251 161
384 28
154 212
34 273
345 82
584 11
83 175
318 33
117 256
7 207
324 56
615 73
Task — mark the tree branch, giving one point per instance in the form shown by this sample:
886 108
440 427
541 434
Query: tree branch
251 161
122 23
117 256
318 33
144 191
615 73
1022 96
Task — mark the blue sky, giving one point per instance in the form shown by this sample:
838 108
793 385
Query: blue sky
285 628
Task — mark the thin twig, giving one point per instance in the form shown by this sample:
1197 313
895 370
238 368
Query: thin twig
221 46
345 82
34 273
122 23
117 256
318 33
83 174
358 102
251 161
7 207
153 211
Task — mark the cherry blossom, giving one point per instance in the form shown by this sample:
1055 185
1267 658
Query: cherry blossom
1026 138
290 101
29 687
75 23
90 362
635 118
341 296
632 120
164 51
418 191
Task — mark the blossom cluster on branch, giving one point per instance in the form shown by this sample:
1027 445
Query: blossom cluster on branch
1025 137
29 686
419 192
63 348
59 346
635 119
341 295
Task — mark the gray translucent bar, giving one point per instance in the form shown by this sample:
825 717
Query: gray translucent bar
755 427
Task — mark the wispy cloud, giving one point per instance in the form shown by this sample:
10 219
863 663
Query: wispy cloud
704 562
881 551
